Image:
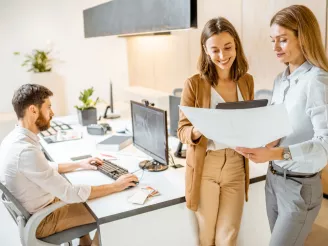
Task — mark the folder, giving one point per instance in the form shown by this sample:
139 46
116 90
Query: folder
243 104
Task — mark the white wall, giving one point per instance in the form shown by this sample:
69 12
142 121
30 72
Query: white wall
263 64
165 62
27 25
161 63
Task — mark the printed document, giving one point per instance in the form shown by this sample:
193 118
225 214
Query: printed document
249 128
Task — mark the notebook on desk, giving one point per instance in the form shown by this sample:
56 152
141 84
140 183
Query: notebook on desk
243 104
115 143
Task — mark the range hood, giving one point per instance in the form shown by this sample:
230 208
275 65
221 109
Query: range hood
126 17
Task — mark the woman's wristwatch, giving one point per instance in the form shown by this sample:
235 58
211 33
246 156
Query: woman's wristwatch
287 156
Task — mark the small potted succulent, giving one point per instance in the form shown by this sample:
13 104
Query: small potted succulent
87 112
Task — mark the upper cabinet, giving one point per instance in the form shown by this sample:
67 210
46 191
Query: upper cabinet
126 17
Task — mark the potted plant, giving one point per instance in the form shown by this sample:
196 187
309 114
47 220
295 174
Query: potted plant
87 113
39 61
39 64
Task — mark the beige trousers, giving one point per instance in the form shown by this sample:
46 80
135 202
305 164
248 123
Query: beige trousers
66 217
222 195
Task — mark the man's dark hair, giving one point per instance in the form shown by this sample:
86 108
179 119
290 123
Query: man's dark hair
27 95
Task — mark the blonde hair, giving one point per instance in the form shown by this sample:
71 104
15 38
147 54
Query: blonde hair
206 67
305 26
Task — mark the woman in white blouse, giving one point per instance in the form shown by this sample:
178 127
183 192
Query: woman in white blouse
293 186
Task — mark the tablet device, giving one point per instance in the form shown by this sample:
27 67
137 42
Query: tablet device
243 104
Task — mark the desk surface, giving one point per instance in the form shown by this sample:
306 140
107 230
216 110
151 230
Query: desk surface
169 183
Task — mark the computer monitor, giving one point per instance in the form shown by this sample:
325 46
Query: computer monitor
111 114
174 102
149 127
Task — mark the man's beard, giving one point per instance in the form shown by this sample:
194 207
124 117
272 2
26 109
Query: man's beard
41 123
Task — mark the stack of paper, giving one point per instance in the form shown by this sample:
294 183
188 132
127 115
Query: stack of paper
143 194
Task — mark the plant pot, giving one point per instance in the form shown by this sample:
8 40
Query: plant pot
87 117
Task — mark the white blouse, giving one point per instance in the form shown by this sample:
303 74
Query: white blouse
305 95
215 99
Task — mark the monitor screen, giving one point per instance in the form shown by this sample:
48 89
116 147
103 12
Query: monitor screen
174 103
149 127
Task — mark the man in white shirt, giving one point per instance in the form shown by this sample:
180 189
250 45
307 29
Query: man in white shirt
34 181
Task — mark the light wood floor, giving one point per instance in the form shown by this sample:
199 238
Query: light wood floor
319 234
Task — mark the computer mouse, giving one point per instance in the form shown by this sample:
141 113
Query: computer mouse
135 182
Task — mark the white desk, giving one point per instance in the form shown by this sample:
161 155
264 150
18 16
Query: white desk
163 220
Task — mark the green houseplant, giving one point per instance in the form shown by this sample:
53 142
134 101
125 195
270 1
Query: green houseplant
87 113
40 65
39 61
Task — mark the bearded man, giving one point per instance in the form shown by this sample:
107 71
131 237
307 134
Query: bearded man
37 183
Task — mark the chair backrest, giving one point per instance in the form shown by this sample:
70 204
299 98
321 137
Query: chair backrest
263 94
177 92
13 206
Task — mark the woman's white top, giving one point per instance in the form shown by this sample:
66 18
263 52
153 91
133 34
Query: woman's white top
305 95
215 99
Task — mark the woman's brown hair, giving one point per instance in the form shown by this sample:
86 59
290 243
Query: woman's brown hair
305 26
206 67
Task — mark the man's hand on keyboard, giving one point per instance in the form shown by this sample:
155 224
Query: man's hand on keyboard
126 181
91 163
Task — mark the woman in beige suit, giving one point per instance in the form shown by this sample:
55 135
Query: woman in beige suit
217 177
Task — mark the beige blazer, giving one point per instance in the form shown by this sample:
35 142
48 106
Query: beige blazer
197 93
324 178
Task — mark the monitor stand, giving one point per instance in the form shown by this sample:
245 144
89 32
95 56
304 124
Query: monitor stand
110 115
179 152
152 166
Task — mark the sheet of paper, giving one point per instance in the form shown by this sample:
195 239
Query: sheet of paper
139 197
250 128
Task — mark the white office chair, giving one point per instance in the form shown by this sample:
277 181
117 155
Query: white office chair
177 92
28 224
264 94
